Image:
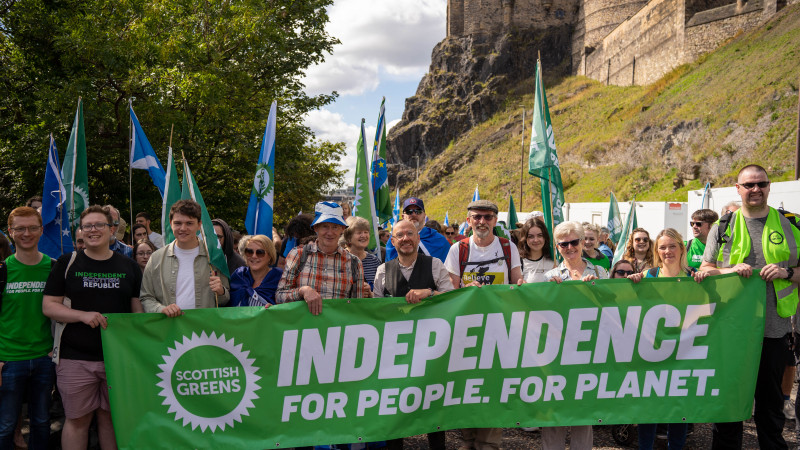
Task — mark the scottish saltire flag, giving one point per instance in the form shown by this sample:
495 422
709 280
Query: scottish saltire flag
614 220
214 249
475 195
380 176
364 203
630 225
74 172
142 154
172 193
396 208
543 159
463 228
259 210
706 201
56 238
446 222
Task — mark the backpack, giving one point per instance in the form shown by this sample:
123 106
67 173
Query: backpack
353 270
463 254
725 221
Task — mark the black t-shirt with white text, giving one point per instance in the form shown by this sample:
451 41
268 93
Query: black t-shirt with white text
104 286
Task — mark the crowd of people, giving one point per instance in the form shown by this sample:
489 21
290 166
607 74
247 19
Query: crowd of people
324 256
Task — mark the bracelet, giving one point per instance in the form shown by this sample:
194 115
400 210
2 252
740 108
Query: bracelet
431 295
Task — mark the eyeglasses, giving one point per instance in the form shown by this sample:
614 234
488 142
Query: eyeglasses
750 186
641 239
623 273
30 229
486 217
412 212
144 253
259 252
572 243
94 226
696 224
449 233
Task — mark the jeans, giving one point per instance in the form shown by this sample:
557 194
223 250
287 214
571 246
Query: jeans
676 435
34 376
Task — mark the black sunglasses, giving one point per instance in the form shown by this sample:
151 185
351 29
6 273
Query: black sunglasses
411 212
761 184
696 224
574 243
623 273
259 252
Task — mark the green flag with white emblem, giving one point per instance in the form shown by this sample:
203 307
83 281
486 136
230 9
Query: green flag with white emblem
73 170
172 193
364 203
215 255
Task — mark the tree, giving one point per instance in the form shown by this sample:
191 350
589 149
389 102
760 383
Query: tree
210 68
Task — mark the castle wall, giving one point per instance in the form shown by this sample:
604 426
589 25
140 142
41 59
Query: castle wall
482 16
643 48
601 17
707 29
541 14
455 18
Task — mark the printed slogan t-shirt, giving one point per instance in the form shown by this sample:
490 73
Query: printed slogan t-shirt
487 264
24 329
103 286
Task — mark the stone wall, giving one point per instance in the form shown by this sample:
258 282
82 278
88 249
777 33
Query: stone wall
643 48
455 17
707 29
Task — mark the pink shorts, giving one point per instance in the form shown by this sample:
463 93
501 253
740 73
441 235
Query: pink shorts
83 386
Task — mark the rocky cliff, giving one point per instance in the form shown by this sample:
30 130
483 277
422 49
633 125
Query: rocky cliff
469 80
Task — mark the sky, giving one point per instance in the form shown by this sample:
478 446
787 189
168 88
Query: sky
385 50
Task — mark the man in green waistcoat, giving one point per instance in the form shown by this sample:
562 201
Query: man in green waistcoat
759 237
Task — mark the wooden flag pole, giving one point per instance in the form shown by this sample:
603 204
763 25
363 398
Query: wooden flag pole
130 168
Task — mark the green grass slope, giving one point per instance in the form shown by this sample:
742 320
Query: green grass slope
701 122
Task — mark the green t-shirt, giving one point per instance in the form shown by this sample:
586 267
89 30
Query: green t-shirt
694 253
601 260
24 329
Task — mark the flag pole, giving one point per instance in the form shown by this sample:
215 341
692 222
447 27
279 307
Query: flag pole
202 232
130 168
61 202
522 160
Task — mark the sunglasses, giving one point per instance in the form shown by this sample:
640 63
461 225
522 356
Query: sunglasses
641 239
412 212
623 273
696 224
449 233
749 186
259 252
486 217
573 243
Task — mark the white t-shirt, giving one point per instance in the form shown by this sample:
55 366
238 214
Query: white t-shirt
485 264
156 239
184 289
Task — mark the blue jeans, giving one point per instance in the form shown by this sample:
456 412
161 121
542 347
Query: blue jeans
34 376
676 435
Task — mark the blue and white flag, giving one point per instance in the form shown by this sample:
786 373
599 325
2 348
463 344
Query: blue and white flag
56 239
706 201
446 222
475 195
463 228
142 154
396 207
259 210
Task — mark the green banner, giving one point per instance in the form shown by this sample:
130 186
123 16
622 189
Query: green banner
575 353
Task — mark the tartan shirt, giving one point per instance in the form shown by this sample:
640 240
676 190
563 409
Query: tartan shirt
330 275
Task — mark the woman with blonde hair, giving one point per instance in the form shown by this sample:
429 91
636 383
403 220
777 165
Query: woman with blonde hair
639 250
591 242
669 261
254 284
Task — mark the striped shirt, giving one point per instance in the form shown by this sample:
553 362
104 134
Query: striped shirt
370 263
330 275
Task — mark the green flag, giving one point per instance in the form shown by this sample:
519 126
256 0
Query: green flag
215 255
512 214
172 193
543 160
614 220
630 224
74 172
380 176
364 203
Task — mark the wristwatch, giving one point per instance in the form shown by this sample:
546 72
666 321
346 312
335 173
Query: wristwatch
789 273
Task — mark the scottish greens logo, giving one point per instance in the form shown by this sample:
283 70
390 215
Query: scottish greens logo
208 381
262 183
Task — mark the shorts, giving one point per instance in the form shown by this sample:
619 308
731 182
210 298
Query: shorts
83 386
